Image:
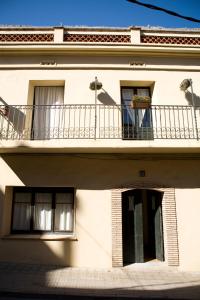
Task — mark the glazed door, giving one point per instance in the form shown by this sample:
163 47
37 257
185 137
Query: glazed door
155 201
142 226
47 112
132 227
136 123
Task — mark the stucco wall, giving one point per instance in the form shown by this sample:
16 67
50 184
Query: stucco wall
93 179
91 244
188 208
16 84
76 74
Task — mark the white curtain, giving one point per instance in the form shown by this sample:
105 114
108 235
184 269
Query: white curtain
43 211
48 118
22 211
64 212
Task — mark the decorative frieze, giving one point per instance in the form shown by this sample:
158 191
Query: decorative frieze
179 40
97 38
16 37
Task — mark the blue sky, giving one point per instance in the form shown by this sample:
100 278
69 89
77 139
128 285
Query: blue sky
115 13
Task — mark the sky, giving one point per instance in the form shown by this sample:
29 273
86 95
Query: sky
109 13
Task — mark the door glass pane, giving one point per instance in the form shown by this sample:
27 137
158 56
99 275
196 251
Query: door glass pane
22 211
43 211
143 92
131 203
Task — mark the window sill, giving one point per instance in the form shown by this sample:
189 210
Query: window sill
44 237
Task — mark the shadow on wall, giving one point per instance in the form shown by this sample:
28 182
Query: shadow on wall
196 98
105 98
103 171
1 206
11 118
38 251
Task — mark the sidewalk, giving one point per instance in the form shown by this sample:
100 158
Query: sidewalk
144 281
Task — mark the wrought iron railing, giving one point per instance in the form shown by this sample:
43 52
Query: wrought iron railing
87 121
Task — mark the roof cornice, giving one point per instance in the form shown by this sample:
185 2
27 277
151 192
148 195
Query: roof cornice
96 49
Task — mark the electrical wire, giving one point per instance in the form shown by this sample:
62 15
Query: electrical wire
170 12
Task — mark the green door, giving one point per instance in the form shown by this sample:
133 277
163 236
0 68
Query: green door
155 199
132 227
142 226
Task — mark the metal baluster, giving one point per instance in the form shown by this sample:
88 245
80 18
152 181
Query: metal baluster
161 129
179 125
183 120
99 117
84 119
155 128
188 123
69 120
174 118
74 131
89 121
79 121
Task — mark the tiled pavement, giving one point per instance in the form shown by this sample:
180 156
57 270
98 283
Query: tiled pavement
144 281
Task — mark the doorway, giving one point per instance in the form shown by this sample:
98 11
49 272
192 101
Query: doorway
142 227
48 112
136 123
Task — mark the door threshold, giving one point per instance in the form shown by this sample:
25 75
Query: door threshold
152 264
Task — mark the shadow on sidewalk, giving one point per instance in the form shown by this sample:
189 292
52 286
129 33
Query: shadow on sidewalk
25 281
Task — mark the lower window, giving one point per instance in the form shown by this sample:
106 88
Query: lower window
37 210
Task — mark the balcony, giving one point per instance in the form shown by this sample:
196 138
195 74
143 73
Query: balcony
87 121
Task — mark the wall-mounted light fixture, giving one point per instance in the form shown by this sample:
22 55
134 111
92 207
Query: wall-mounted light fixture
95 85
185 84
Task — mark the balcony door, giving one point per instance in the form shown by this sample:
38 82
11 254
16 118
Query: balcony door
142 226
136 123
47 121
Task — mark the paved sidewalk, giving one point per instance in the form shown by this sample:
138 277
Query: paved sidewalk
136 281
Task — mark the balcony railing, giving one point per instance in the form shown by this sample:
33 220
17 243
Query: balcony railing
44 122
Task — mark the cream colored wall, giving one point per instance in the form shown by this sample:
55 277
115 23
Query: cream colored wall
93 178
188 208
91 245
76 73
7 177
16 84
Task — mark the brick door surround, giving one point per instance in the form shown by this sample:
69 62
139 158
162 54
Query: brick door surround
170 235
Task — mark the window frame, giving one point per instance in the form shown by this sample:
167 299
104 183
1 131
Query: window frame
128 128
134 88
43 105
53 191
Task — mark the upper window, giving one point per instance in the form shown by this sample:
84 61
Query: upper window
48 113
129 92
43 210
136 123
